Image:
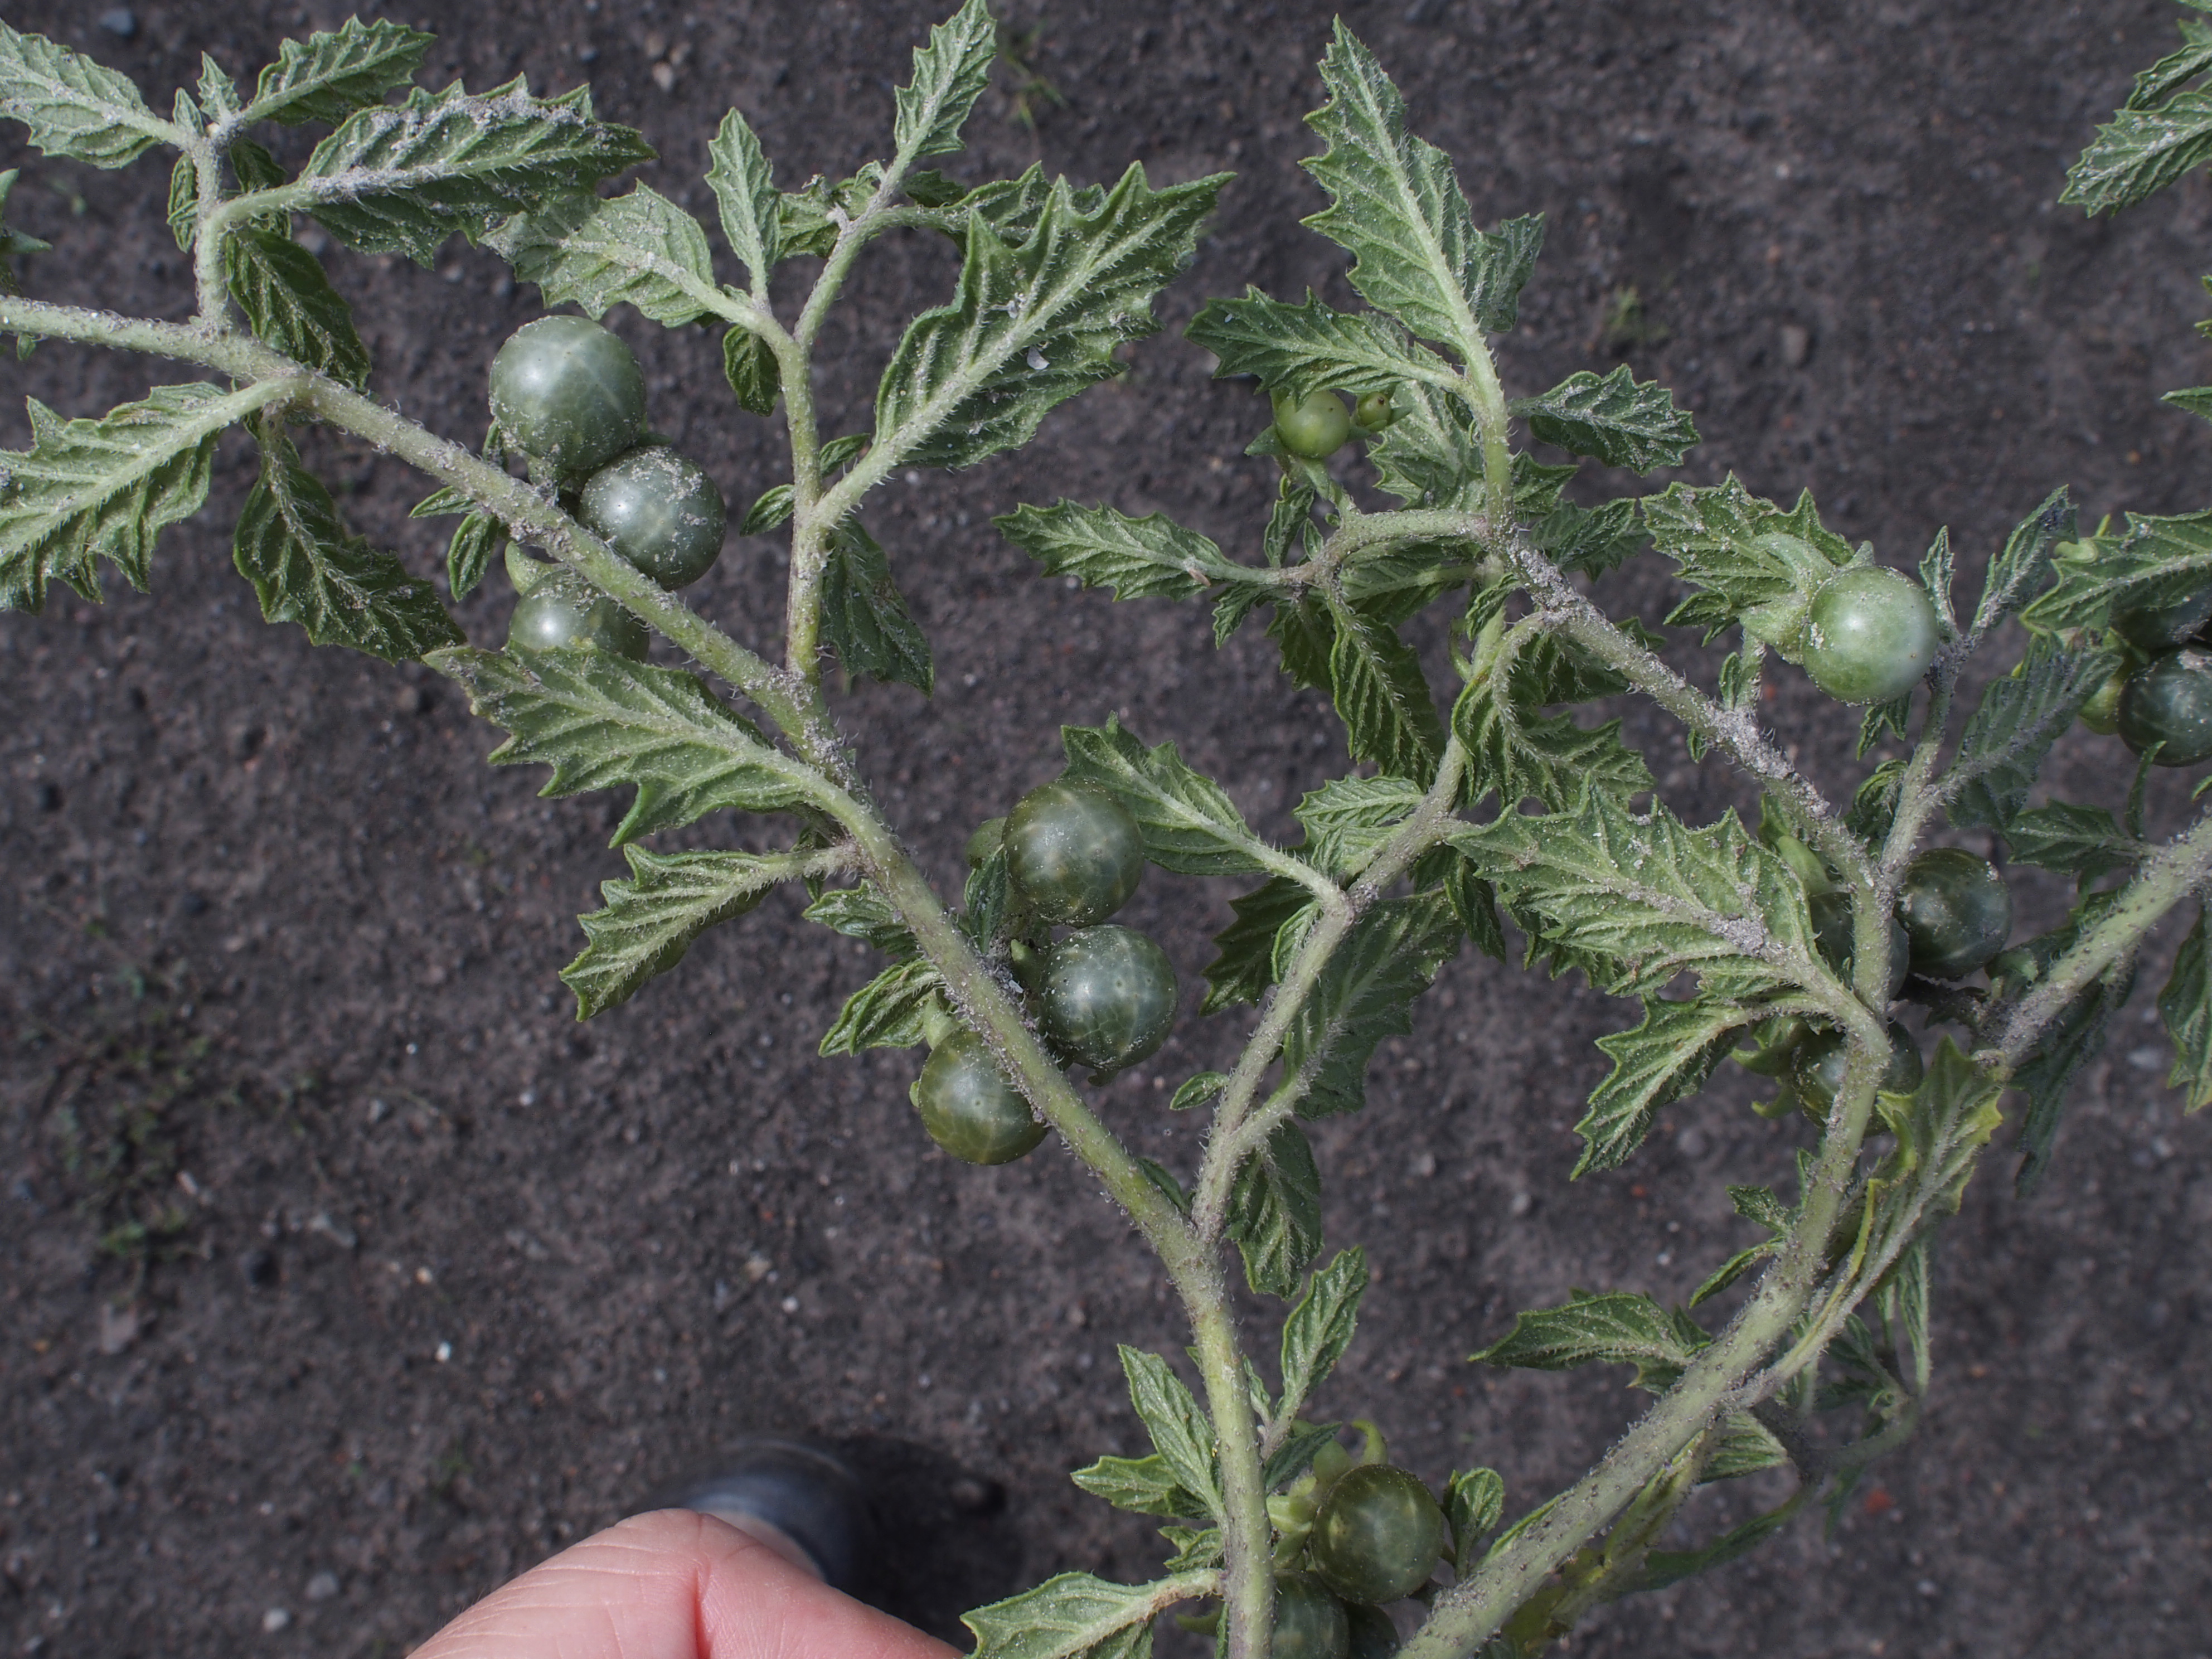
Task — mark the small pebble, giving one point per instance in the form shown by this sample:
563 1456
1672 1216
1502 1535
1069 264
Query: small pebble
412 699
1521 1203
121 22
1424 1163
322 1586
1797 344
1691 1142
275 1620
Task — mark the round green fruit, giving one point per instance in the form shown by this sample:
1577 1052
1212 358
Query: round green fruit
2170 703
563 610
567 393
1956 910
2160 628
1378 1535
1817 1072
1109 997
1832 933
659 511
1315 427
969 1107
1309 1622
2101 713
1870 635
1373 413
1074 851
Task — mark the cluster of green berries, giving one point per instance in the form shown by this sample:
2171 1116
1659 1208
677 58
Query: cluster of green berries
1352 1536
2161 698
569 396
1103 996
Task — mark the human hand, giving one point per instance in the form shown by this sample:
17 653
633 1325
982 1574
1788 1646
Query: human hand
674 1585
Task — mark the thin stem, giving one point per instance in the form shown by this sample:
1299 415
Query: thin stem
208 278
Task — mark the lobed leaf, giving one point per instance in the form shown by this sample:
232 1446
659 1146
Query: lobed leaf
1190 824
2140 151
950 74
2081 841
651 919
863 913
306 569
327 77
479 539
600 720
1621 1328
1076 1616
749 366
1180 1431
1274 1212
1724 540
288 303
1245 965
1665 1567
1299 349
1321 1327
402 177
1147 558
2021 567
73 105
1033 323
1941 1129
863 615
1613 419
1665 1059
1143 1485
2185 1006
1515 749
1365 992
1474 1503
1634 900
1592 540
745 190
640 249
1400 211
2020 715
1375 682
889 1011
1348 819
2159 562
106 488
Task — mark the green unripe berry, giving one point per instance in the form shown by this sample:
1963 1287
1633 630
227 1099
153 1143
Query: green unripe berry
568 394
1315 427
659 511
1374 413
1870 635
1309 1622
1378 1535
561 612
2170 703
969 1107
1956 910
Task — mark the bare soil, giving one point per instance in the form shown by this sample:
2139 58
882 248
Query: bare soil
430 1280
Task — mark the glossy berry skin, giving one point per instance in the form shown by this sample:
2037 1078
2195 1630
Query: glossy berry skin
1378 1535
1108 998
1956 910
1073 853
1373 413
2162 628
969 1107
1832 933
1315 427
563 610
1817 1072
567 393
1870 635
2170 703
1309 1622
659 511
1373 1635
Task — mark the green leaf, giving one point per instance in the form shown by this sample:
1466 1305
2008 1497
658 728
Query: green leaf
2020 715
774 507
1194 1546
1613 420
2196 400
1935 576
1383 697
745 189
640 249
949 75
1739 552
600 720
1197 1091
1245 966
863 617
1636 900
2025 563
1032 325
479 540
326 77
1874 804
1941 1129
1431 455
2140 151
1665 1567
889 1011
2082 841
1274 1212
749 365
1474 1503
289 304
2159 562
1365 992
1295 1455
1299 349
257 169
1190 824
1348 819
2074 1038
106 488
1320 1329
1179 1429
1519 751
306 569
1076 1616
2185 1006
2177 69
218 92
1592 540
1148 558
1143 1485
650 920
1665 1059
1621 1328
184 205
402 177
1400 211
863 913
73 105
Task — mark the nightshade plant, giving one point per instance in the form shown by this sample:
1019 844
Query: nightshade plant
1788 944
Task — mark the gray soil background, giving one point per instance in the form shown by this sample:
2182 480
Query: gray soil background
458 1281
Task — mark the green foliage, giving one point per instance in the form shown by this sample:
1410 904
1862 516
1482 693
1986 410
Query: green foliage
640 249
74 107
1190 824
2020 717
1076 1616
1614 419
865 617
651 919
949 75
1320 1329
327 77
1146 558
1274 1212
1665 1059
1366 993
1297 350
289 303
